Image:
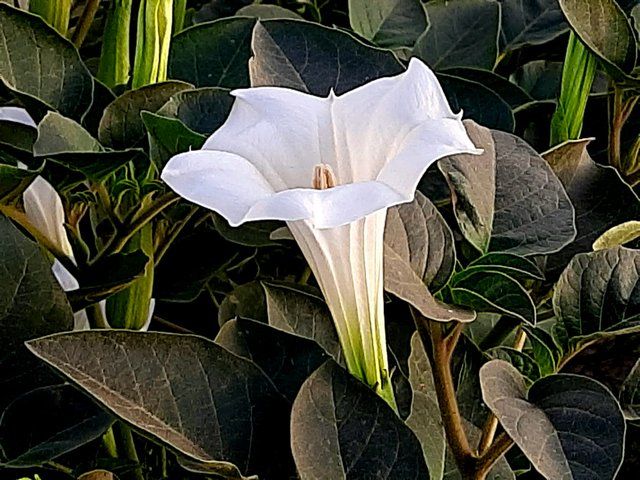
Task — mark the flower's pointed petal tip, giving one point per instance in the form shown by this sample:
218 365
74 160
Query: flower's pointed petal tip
220 181
17 115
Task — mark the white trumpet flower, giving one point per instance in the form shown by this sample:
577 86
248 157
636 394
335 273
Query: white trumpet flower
330 167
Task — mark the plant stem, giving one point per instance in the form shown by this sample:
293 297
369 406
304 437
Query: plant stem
114 57
128 448
85 21
500 446
431 333
117 242
109 442
615 130
491 425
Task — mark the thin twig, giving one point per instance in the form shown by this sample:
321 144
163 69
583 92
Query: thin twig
85 21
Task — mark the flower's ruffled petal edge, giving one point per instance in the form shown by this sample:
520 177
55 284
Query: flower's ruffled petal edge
44 209
17 115
230 185
328 208
428 143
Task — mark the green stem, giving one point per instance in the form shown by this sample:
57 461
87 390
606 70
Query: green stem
55 12
578 72
109 442
155 19
128 448
114 58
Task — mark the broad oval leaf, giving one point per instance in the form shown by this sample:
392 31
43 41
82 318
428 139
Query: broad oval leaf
213 54
568 426
388 23
585 181
492 291
341 429
598 291
425 419
419 256
605 29
186 391
302 313
68 144
31 435
168 137
265 12
477 102
511 93
530 22
463 33
37 63
517 267
121 125
32 304
286 359
203 110
314 59
508 199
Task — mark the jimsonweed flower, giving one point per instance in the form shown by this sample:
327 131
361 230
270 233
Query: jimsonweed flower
330 167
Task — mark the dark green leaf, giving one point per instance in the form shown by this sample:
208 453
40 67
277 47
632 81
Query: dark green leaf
252 234
508 199
297 311
246 301
168 137
463 33
419 256
598 291
313 58
524 363
190 263
492 291
14 181
540 78
48 422
544 349
517 267
68 144
213 54
342 429
31 304
477 102
530 22
425 419
191 394
630 393
265 12
508 91
107 276
390 24
604 29
37 63
286 359
568 426
121 125
203 110
585 182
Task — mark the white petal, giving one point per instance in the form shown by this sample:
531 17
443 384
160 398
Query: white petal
233 187
347 263
223 182
17 115
67 281
374 122
152 306
44 209
282 132
427 143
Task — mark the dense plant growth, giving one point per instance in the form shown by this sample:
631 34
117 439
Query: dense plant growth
145 337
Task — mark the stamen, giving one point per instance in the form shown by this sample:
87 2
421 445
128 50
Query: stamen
323 177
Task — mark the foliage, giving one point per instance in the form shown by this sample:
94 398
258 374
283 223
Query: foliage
505 277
